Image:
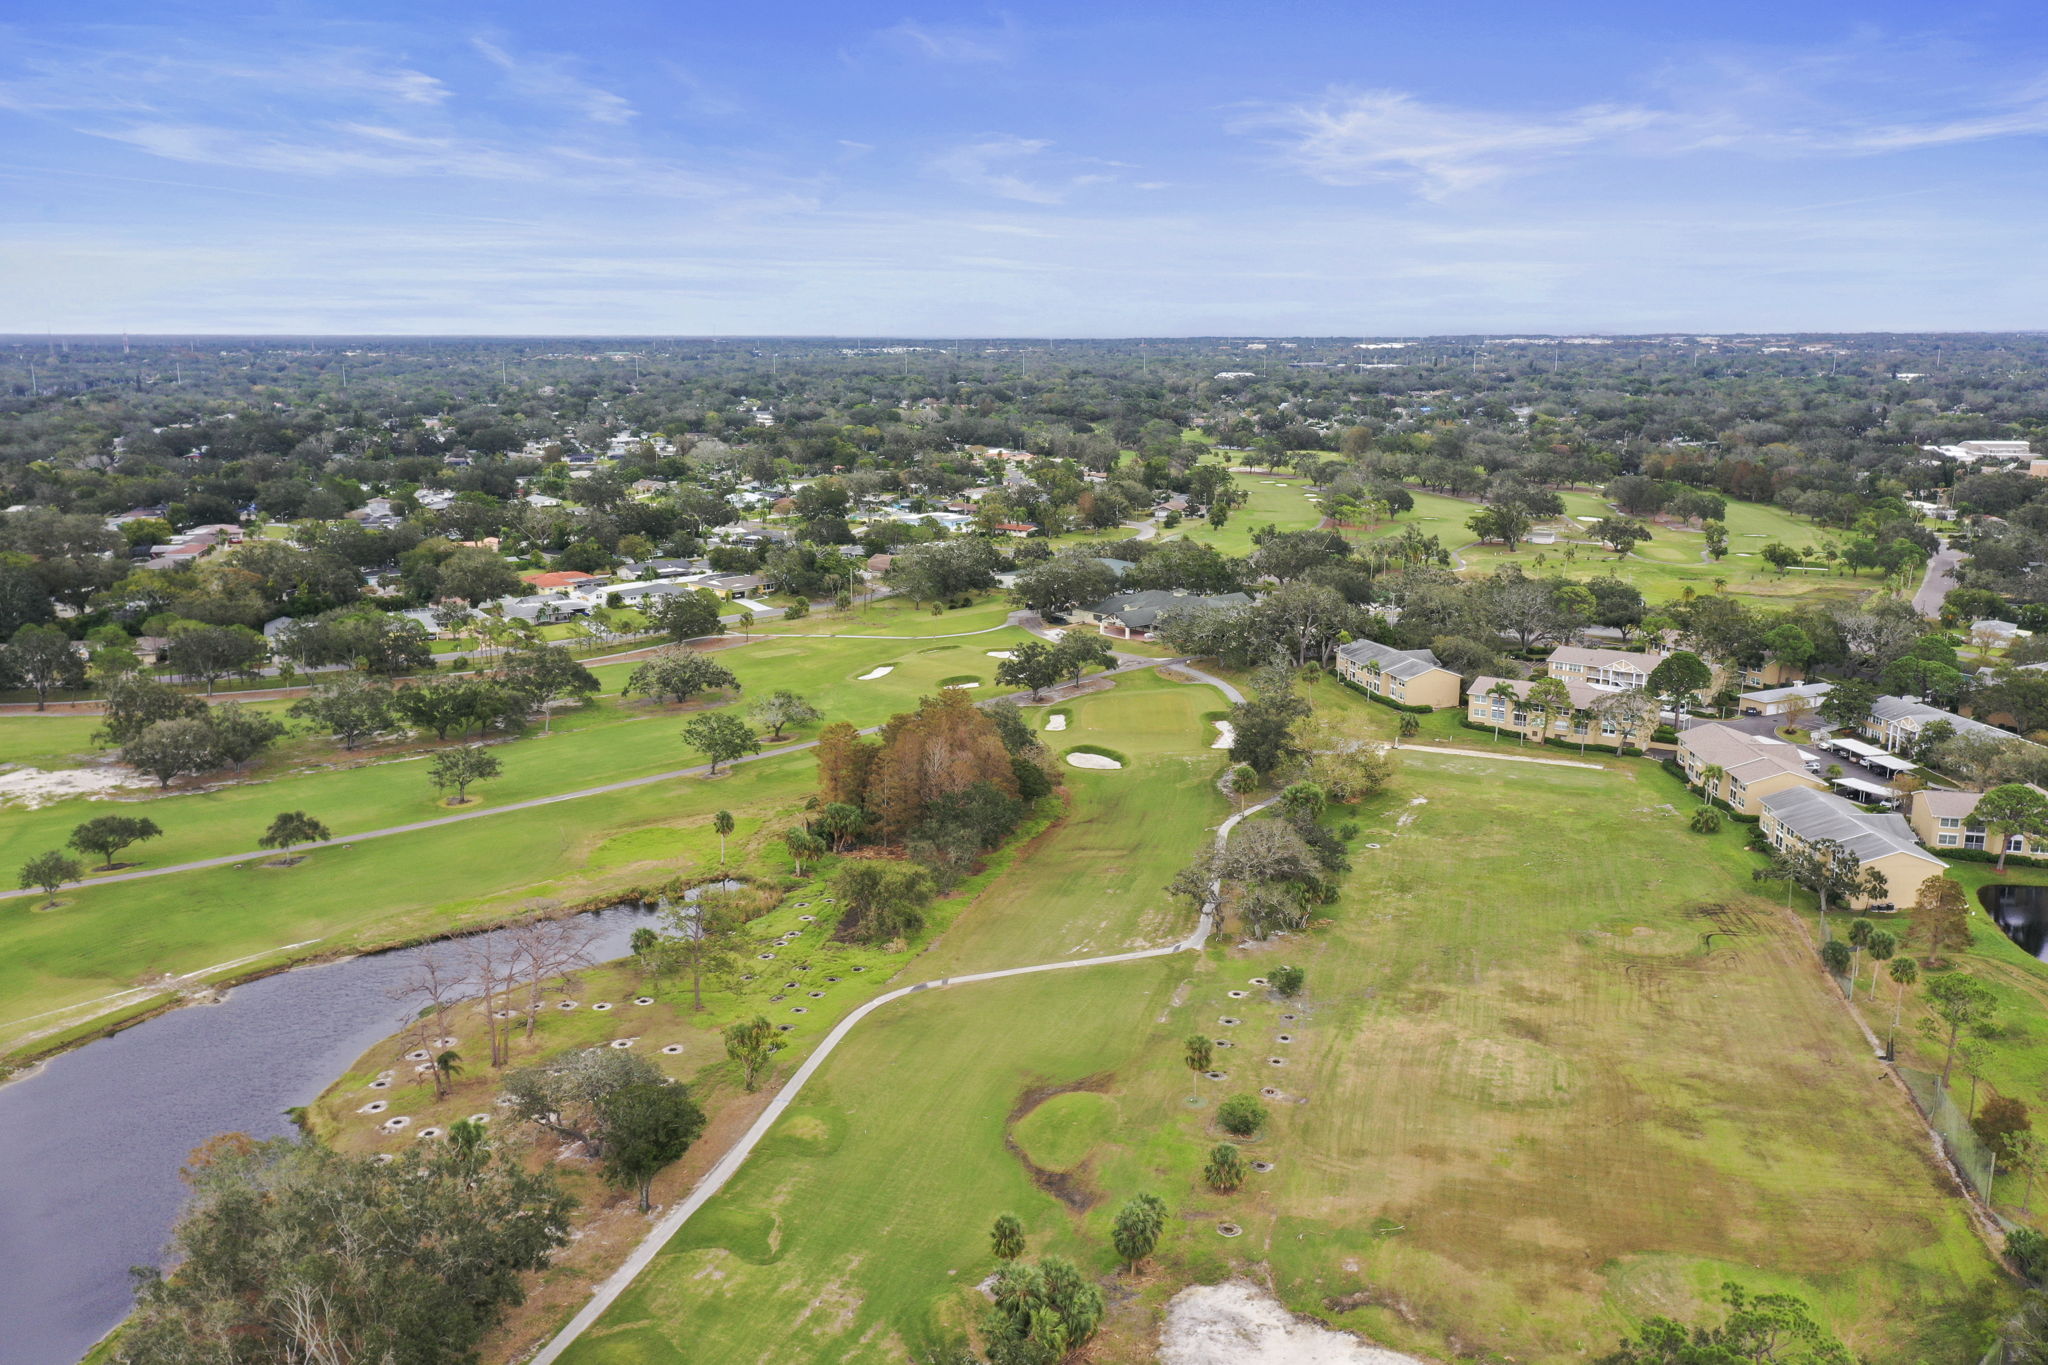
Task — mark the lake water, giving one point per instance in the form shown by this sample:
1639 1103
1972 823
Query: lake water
2021 911
93 1140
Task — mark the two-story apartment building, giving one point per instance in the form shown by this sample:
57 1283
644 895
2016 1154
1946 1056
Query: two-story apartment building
1750 767
1800 817
1610 670
1946 819
1482 707
1412 677
1896 723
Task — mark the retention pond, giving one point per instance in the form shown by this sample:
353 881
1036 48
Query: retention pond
93 1139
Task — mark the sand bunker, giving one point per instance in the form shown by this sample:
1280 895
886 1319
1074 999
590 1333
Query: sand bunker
34 788
1226 734
1093 761
1055 722
1000 654
884 671
1240 1324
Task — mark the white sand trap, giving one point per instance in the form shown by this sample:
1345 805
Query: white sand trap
1093 761
35 788
1055 722
884 671
963 686
1226 734
1240 1324
1001 654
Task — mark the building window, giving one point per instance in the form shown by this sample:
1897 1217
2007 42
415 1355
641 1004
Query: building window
1950 822
1948 838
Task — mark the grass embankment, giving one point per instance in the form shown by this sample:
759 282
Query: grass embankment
1584 1080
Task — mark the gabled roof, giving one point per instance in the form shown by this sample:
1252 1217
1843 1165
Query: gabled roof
1585 696
1812 815
1398 663
1742 755
1142 610
1890 709
1605 658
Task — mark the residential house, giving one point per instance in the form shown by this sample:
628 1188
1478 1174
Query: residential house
1484 708
1751 766
1798 818
1412 677
1993 633
1136 615
556 578
1016 530
1946 819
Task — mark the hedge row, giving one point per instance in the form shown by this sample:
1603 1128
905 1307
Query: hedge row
1978 855
1558 741
1387 702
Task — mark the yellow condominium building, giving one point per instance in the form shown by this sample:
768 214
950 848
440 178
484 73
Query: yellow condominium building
1412 677
1750 767
1798 817
1589 720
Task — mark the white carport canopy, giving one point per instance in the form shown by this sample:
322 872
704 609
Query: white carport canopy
1889 762
1870 790
1858 748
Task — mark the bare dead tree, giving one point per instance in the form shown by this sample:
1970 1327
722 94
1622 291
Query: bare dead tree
431 992
487 961
546 955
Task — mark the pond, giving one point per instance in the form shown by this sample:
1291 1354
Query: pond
2021 911
94 1137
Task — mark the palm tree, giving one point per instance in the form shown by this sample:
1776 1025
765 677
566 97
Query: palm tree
1710 780
722 822
1904 971
1409 728
447 1066
1501 689
1200 1054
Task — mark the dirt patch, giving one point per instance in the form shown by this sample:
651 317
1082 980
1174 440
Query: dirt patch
1069 1187
34 788
1241 1324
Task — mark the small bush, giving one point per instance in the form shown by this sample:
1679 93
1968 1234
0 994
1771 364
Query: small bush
2029 1251
1289 980
1706 820
2001 1120
1664 734
1241 1115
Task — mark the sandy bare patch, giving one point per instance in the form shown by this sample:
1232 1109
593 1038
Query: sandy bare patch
1093 761
884 671
1056 722
1226 734
1001 654
35 788
1241 1324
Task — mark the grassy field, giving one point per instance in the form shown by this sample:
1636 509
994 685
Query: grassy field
1585 1079
1270 500
608 740
108 938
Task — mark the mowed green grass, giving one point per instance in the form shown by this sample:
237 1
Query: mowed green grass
103 939
607 741
1270 500
1093 884
1526 1101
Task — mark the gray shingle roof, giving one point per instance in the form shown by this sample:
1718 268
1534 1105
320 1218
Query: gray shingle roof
1142 610
1812 815
1395 663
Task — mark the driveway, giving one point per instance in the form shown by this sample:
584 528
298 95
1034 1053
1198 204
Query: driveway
1939 579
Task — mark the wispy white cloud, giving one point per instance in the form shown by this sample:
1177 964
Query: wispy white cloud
50 78
955 45
1357 137
993 166
549 79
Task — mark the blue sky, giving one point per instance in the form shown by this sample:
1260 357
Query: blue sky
617 167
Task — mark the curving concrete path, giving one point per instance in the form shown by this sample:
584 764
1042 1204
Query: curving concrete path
728 1165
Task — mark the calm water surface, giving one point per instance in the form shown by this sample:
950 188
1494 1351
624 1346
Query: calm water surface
90 1145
